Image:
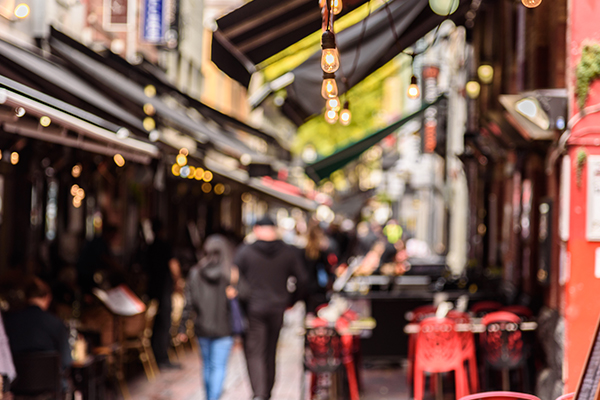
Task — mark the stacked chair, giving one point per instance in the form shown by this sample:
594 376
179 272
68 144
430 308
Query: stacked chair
504 348
467 340
439 349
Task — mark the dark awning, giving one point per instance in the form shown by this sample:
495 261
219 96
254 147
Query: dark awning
413 19
326 166
101 74
16 63
262 28
89 134
148 73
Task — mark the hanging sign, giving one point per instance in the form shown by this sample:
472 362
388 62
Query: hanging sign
154 21
433 132
115 15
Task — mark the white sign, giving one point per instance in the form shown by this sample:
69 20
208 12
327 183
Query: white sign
593 199
565 199
597 264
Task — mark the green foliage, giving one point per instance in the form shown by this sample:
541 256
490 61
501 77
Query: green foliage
581 159
586 71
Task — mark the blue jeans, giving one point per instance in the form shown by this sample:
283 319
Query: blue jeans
215 354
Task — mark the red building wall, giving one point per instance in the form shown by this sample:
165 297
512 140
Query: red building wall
582 289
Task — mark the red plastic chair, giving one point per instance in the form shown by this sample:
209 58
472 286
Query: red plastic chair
481 308
439 349
416 315
502 395
467 340
503 346
522 311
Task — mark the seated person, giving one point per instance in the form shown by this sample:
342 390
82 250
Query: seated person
33 329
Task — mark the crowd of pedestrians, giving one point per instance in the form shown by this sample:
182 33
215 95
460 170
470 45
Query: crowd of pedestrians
233 291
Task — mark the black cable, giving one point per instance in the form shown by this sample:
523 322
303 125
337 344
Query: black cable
397 38
346 78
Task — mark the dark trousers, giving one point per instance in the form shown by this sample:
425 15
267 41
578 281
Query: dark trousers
161 333
260 346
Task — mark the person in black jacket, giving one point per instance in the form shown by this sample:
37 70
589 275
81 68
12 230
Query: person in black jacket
265 266
208 291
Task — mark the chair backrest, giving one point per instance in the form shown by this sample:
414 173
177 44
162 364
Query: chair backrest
502 340
37 373
438 347
324 349
422 312
522 311
466 337
483 307
500 396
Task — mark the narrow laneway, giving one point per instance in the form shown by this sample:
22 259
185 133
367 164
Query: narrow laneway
379 383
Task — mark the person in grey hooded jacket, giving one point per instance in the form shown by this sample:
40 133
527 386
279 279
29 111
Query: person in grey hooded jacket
208 291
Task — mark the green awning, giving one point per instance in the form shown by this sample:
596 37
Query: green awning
326 166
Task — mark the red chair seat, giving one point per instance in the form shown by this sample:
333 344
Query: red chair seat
500 395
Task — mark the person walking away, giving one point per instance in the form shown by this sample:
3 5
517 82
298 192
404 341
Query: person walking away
164 272
318 260
265 266
208 290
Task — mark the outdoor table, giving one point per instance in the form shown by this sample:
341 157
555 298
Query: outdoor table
475 326
89 377
356 328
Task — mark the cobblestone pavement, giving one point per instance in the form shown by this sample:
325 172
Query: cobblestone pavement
185 384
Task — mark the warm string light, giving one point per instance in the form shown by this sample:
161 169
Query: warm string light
22 11
531 3
333 104
331 116
329 88
336 6
345 114
413 91
330 59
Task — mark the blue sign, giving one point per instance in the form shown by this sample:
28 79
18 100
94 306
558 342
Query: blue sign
154 31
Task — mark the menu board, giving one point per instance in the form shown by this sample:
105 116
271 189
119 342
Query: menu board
587 389
121 301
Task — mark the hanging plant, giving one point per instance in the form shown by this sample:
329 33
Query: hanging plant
581 159
587 70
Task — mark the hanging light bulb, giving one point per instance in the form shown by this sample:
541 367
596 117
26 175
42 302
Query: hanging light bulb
329 88
413 91
333 104
336 6
345 115
531 3
331 116
330 59
444 7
